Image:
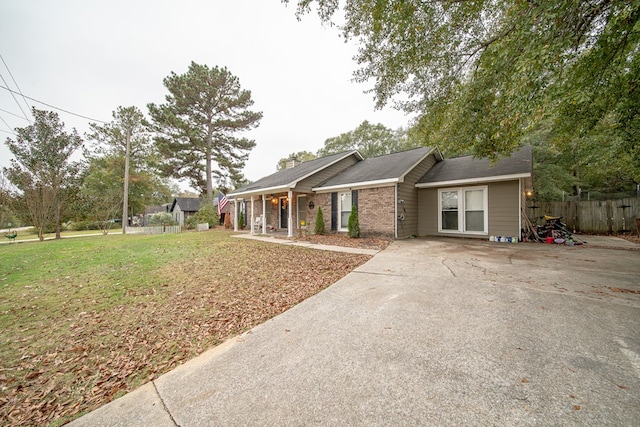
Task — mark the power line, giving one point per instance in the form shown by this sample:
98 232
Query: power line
56 108
19 90
14 97
13 114
6 124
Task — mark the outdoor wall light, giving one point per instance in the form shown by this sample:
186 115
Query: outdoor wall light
274 201
311 205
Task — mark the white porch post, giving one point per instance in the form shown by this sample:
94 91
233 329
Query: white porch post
253 215
290 222
264 214
235 214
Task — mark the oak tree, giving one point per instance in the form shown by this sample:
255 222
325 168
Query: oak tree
370 140
484 74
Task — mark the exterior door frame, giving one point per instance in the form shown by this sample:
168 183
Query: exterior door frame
283 212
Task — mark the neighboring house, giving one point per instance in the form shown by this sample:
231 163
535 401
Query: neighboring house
410 193
184 207
151 210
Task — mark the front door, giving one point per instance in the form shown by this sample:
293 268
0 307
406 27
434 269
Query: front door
284 213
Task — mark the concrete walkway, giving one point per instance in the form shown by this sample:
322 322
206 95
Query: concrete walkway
428 332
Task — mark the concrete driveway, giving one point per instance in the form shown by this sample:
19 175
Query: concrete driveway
428 332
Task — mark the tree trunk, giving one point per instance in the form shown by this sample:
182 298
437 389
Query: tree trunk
125 203
208 161
58 208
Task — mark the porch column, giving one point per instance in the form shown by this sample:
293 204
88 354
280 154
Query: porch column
290 222
264 214
235 214
253 215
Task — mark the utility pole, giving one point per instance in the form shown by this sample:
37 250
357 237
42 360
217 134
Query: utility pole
125 203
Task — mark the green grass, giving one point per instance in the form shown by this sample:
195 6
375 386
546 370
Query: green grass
32 233
110 264
86 319
44 282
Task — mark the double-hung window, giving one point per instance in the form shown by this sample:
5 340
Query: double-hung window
345 210
463 210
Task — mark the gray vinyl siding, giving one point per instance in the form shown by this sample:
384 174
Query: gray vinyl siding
316 179
504 205
428 207
503 211
408 193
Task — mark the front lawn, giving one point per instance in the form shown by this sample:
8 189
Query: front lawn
85 320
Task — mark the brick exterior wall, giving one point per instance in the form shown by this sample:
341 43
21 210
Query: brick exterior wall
376 211
320 201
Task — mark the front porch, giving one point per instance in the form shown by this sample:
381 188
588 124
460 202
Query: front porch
283 213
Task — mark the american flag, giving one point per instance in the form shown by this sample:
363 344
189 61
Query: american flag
222 202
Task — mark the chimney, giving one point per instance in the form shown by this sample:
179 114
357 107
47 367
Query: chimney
292 162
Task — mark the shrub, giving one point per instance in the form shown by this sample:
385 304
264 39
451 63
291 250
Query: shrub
207 214
241 221
191 222
319 227
353 228
161 218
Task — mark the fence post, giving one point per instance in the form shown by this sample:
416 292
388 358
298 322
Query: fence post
609 208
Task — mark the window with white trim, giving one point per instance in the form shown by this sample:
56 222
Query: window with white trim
345 210
463 210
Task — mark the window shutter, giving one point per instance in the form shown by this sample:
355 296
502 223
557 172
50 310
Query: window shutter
354 198
334 211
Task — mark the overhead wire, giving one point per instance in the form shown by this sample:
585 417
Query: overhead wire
13 114
7 125
19 90
56 108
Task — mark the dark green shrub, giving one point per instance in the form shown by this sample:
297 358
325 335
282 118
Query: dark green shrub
319 226
353 228
207 214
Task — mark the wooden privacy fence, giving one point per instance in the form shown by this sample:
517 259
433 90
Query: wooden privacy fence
591 216
158 229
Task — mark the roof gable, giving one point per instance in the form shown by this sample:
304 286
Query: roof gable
389 168
287 178
468 169
186 204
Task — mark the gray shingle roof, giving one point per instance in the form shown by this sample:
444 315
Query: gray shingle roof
289 177
186 204
389 167
467 168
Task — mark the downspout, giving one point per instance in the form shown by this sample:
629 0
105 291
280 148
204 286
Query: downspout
290 214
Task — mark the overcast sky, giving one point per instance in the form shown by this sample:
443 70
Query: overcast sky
89 57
